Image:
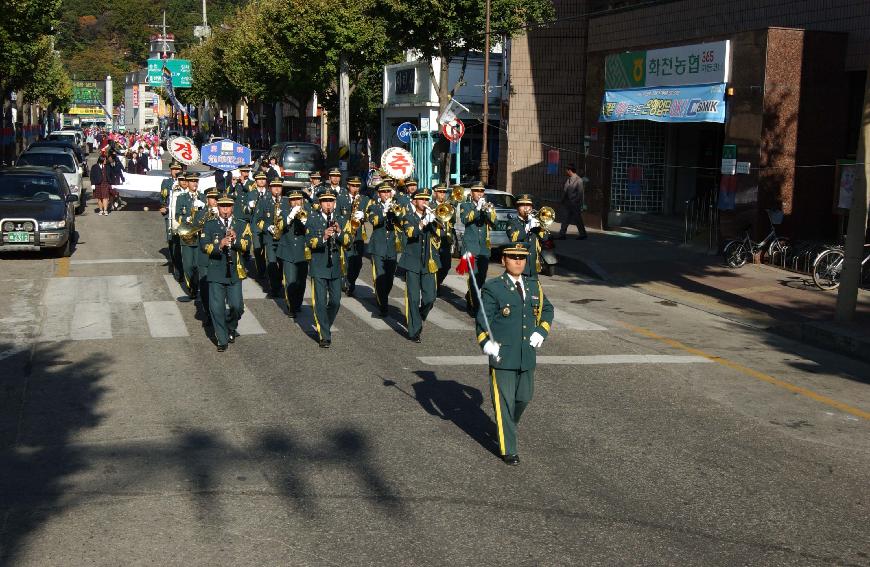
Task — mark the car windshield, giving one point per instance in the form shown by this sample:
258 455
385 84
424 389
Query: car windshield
302 158
503 201
70 137
64 162
29 187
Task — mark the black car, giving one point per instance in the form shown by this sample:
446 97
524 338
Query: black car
37 210
63 144
297 160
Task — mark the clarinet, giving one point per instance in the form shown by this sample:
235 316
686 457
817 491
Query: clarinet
330 242
227 252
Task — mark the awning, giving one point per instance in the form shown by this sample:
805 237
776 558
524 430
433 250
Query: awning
694 103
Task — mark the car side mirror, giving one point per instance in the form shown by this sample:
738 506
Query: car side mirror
72 198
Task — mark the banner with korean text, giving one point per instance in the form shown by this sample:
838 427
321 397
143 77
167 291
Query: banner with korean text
697 103
697 64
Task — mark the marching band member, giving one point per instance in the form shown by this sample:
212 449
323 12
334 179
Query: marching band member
267 220
448 236
202 216
383 245
420 261
352 205
526 229
249 203
479 218
293 249
186 206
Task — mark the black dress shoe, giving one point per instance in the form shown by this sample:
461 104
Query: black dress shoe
417 339
512 460
207 323
232 336
221 348
384 311
324 343
350 290
291 314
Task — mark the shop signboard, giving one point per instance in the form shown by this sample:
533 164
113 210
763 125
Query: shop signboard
180 69
698 64
89 93
699 103
225 155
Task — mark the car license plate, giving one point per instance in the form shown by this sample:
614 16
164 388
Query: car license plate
18 237
302 174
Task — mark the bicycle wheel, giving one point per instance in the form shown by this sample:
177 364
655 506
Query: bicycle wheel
735 254
827 268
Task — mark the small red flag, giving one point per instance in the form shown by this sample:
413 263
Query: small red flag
466 264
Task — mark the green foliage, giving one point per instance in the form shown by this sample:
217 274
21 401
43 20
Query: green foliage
23 28
51 85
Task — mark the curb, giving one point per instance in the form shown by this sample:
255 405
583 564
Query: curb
827 336
586 267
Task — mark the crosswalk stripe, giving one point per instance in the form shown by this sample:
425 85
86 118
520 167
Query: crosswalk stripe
56 323
364 306
437 316
60 291
124 289
583 360
252 290
91 321
164 319
174 287
248 324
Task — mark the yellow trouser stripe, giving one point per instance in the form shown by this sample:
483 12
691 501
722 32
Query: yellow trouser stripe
407 320
496 401
314 308
375 282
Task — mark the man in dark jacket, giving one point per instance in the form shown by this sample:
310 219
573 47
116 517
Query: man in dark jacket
572 202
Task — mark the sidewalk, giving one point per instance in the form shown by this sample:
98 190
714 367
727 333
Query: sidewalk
759 295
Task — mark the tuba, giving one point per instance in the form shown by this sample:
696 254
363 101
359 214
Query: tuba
444 213
457 194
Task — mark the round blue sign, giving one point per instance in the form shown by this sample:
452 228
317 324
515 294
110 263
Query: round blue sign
404 131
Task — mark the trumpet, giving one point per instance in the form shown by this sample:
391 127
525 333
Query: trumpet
545 216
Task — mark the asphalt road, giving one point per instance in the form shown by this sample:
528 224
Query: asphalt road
658 435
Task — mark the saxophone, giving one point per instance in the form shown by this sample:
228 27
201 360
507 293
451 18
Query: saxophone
354 223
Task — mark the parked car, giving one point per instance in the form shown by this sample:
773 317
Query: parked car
65 162
297 160
74 136
80 154
36 210
504 207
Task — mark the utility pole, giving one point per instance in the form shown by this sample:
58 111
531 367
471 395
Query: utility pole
484 152
343 108
847 296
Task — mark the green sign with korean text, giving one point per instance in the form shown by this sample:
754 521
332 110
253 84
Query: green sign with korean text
698 64
180 69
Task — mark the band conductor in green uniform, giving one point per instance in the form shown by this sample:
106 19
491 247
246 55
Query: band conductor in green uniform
293 249
226 240
479 217
513 322
385 215
328 235
526 229
420 262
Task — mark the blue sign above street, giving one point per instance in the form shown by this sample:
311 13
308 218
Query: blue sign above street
225 155
696 103
404 131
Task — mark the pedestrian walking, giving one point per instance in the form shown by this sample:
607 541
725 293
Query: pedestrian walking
102 187
116 177
573 197
513 322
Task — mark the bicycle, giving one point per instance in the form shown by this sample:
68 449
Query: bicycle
829 266
738 252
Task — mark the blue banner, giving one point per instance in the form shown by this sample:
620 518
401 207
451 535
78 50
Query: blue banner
225 155
695 103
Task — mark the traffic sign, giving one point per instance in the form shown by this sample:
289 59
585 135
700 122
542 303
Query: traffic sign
453 131
404 131
225 155
398 163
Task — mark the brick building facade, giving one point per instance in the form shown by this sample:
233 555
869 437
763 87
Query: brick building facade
793 100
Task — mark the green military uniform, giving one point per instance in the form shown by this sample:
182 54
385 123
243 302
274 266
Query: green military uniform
245 206
293 252
383 248
520 230
168 188
264 221
475 239
445 244
186 206
200 219
225 273
344 206
326 269
420 262
514 318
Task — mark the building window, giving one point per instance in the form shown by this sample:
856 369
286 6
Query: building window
406 80
638 175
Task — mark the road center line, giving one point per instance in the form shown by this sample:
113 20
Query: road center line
112 261
581 360
751 373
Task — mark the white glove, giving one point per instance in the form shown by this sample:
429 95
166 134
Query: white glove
186 219
430 218
251 204
536 339
533 223
293 212
480 203
271 229
358 215
214 210
388 203
198 204
491 348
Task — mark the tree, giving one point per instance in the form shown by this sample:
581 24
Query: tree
51 86
447 29
24 25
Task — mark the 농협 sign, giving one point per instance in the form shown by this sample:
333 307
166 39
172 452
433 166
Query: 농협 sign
698 64
398 163
225 155
180 69
404 131
184 150
701 103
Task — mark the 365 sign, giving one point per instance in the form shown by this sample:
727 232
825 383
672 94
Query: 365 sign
184 150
